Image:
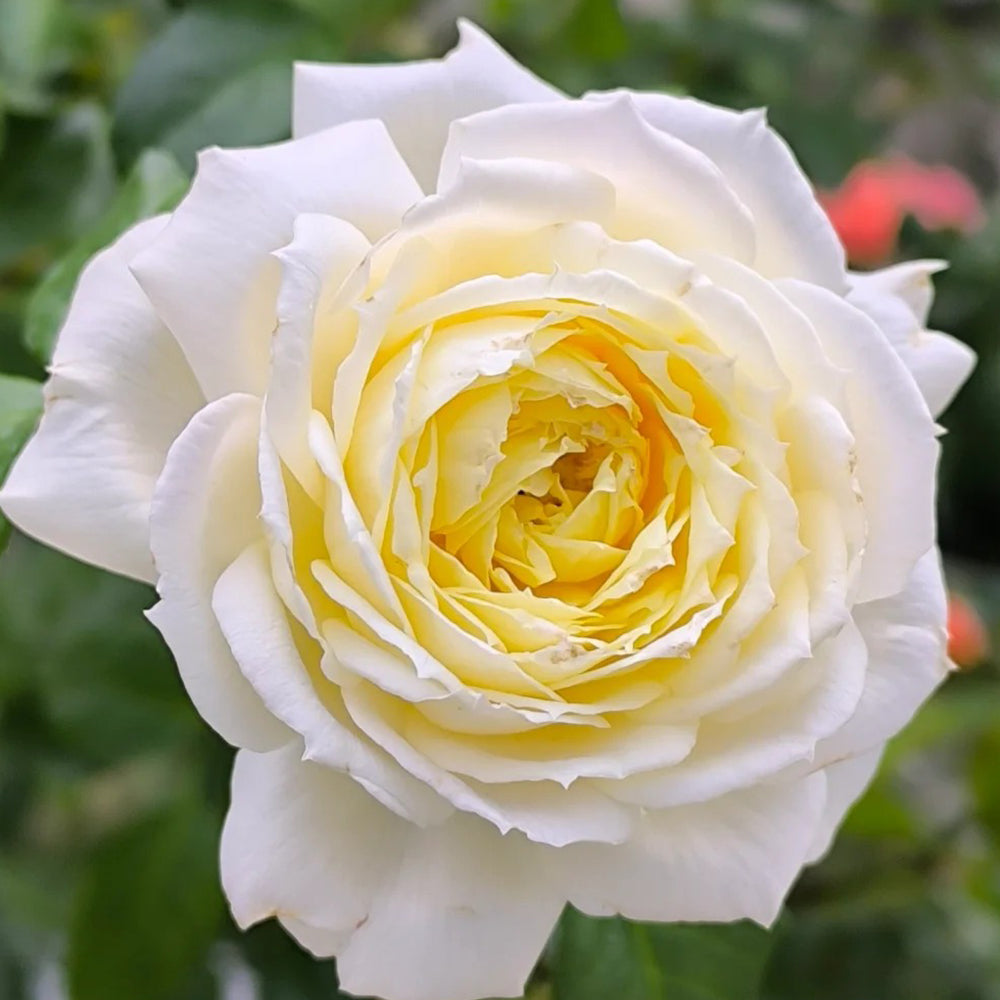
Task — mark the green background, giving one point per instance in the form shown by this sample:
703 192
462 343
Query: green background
112 791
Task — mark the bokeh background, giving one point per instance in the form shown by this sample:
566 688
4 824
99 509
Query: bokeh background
112 791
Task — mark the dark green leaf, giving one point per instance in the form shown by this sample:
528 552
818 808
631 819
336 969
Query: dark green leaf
147 910
155 185
20 407
29 30
250 108
597 30
56 177
912 949
283 969
599 959
75 639
219 74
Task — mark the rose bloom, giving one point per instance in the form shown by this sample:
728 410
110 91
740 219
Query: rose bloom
532 496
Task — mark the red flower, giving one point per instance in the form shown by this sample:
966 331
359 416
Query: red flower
867 210
968 640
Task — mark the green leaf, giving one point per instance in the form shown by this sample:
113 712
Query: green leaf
219 74
74 641
600 959
20 408
148 909
282 969
252 107
913 949
155 185
56 177
30 29
597 30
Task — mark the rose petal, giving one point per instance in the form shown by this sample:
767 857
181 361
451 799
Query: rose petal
846 782
794 235
443 914
667 190
262 640
726 859
119 394
416 100
214 258
311 339
894 437
304 841
898 299
466 915
907 641
204 514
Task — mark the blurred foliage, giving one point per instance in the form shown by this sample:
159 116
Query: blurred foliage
112 792
598 958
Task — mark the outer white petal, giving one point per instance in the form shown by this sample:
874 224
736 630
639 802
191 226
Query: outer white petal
308 343
894 438
557 756
417 100
304 841
449 913
846 782
466 915
726 859
795 343
756 740
666 190
545 812
898 299
907 660
794 235
211 275
258 631
119 394
204 514
909 281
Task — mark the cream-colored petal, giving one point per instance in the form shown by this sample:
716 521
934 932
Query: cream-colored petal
794 235
725 859
417 101
305 842
846 781
204 514
211 275
898 299
119 394
556 754
545 812
762 735
666 189
465 914
907 650
894 437
311 339
284 672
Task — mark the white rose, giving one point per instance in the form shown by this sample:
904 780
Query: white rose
530 493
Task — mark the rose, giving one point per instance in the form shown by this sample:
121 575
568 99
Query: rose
529 491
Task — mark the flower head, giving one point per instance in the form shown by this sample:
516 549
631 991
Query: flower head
531 494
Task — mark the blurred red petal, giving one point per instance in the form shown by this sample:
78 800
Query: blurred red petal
940 198
968 640
867 210
865 215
